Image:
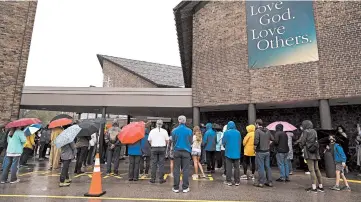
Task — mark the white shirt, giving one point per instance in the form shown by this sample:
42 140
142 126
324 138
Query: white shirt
158 137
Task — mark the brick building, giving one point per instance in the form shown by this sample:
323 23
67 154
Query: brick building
17 20
213 43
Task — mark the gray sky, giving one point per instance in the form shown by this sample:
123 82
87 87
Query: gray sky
69 33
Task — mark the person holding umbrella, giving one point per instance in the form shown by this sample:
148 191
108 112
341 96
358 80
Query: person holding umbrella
68 153
82 145
28 149
54 151
16 140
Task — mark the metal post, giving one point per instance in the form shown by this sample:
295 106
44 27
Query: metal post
196 116
128 119
325 115
101 136
251 113
79 116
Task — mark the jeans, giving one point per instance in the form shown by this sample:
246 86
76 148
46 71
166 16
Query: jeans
264 169
203 155
123 148
91 154
247 161
10 164
283 165
158 156
315 171
65 171
219 159
134 167
211 160
42 151
25 156
145 159
235 163
80 157
182 161
113 154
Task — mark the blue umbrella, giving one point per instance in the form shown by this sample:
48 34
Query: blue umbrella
33 128
67 136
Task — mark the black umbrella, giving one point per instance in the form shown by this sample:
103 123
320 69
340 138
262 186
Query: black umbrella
61 116
88 128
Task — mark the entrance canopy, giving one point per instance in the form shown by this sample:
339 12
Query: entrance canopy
159 102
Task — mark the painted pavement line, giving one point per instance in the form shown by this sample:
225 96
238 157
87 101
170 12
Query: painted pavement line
353 181
107 198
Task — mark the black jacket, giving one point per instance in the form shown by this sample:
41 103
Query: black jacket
281 140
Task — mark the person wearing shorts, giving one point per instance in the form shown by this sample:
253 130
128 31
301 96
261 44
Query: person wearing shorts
197 151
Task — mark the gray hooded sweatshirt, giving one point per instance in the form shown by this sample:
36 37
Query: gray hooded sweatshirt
309 136
262 139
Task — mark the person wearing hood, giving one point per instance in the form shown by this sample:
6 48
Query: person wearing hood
232 141
281 143
310 145
55 152
146 153
249 154
263 139
16 141
113 148
44 142
28 149
209 142
91 150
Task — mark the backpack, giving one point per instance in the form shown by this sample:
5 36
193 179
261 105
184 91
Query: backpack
313 147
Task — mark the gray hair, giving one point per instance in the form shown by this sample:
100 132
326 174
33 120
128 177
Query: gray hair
182 119
159 123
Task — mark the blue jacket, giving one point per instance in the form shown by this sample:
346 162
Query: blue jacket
232 141
339 154
16 142
135 149
182 138
210 138
145 145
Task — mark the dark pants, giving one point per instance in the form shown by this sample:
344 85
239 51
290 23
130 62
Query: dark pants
65 171
80 157
25 156
158 157
211 160
133 167
10 164
42 151
182 160
113 153
264 168
224 161
90 156
145 159
247 161
203 156
219 159
235 164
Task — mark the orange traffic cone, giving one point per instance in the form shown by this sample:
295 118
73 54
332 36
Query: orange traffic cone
95 189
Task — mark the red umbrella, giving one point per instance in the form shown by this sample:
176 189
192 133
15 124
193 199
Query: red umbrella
60 123
22 122
132 133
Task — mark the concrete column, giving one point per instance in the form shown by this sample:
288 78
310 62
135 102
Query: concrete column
101 136
196 116
251 113
325 115
79 116
96 115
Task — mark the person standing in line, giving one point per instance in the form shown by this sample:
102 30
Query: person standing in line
91 150
2 139
135 153
28 149
281 143
340 161
262 141
223 151
182 141
54 151
82 145
358 148
146 154
196 152
219 147
309 143
158 139
171 156
16 140
232 141
68 153
209 142
203 154
344 143
113 148
249 154
44 142
290 153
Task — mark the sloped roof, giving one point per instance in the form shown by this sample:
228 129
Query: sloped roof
158 74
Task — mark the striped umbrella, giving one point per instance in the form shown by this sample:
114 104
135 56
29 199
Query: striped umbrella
33 128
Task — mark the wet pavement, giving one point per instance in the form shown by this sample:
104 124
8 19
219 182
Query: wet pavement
39 184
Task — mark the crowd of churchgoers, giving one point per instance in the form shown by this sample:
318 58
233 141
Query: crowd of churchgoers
220 148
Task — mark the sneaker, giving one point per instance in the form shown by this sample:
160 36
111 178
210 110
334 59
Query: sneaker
64 184
68 181
171 175
280 180
336 188
186 190
251 177
311 190
41 159
258 185
203 176
320 189
291 173
346 188
244 177
224 176
2 182
14 182
195 176
269 184
162 181
135 179
130 180
152 181
237 184
175 190
307 173
288 180
227 183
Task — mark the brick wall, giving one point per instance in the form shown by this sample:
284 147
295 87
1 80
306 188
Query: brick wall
17 20
220 61
122 78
